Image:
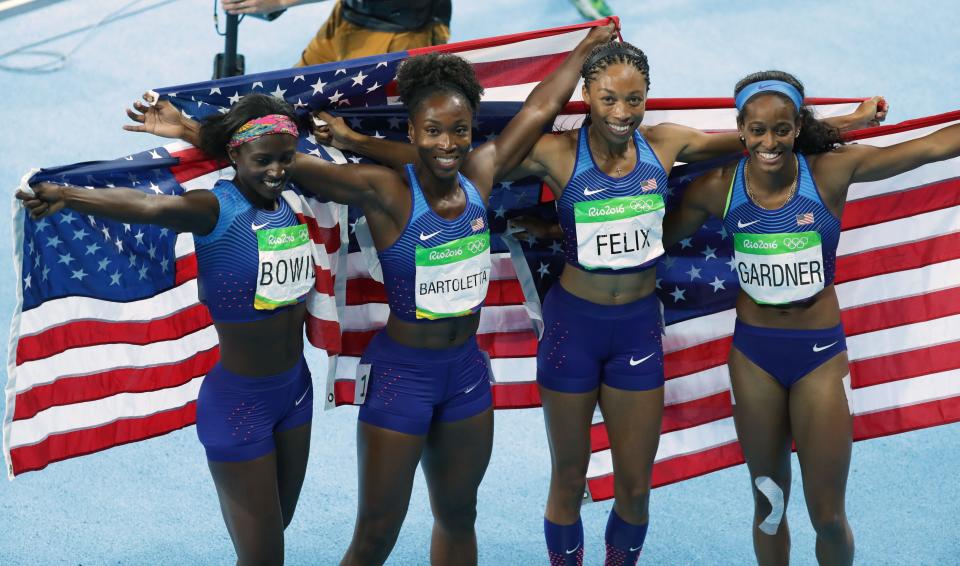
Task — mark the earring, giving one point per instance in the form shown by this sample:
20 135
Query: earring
798 134
743 140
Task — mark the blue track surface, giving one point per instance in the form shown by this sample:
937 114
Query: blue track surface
154 503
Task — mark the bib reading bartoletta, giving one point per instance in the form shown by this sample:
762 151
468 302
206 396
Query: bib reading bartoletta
438 268
786 255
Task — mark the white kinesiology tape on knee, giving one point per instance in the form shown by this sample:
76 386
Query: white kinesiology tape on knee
774 494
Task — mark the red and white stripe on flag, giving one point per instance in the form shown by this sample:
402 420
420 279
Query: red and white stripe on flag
898 281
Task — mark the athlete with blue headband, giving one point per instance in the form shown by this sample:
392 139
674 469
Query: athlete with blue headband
782 205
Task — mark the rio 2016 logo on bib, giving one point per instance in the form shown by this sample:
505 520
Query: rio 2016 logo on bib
452 278
285 272
777 269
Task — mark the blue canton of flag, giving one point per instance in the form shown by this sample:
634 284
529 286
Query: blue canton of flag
94 256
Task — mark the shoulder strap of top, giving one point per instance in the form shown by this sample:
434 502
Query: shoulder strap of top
733 182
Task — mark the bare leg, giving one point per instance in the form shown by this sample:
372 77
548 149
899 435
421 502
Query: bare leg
568 417
251 509
454 462
822 425
633 420
763 428
293 450
387 461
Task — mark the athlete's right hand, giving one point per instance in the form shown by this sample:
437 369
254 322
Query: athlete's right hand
332 130
161 119
46 199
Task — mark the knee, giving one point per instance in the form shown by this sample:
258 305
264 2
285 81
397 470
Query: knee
830 524
633 498
570 482
458 517
376 533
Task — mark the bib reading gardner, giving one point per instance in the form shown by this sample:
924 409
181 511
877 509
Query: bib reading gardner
452 278
619 233
776 269
286 270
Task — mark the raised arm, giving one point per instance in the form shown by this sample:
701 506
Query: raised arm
493 160
162 119
337 133
861 163
195 211
354 184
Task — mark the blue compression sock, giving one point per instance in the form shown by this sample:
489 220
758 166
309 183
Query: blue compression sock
624 541
564 543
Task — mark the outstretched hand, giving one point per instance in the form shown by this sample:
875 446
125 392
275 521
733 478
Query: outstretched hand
332 130
872 112
161 119
46 199
603 34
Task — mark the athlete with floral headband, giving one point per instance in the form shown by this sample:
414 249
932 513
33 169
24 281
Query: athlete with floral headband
782 205
255 406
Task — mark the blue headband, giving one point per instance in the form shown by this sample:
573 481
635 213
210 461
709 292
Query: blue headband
781 87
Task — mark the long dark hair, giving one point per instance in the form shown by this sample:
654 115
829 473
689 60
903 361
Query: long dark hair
217 130
815 136
420 77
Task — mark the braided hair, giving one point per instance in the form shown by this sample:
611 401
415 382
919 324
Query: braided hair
216 131
614 53
815 136
420 77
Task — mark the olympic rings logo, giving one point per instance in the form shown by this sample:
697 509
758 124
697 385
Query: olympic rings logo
476 247
638 205
794 243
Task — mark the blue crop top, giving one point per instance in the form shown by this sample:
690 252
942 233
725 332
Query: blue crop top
785 255
438 268
229 258
613 225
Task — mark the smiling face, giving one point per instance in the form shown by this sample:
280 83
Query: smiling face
617 99
769 125
263 167
440 128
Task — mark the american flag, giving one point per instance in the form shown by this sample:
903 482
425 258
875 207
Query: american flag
97 366
805 218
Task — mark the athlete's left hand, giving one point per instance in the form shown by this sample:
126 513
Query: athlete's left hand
872 112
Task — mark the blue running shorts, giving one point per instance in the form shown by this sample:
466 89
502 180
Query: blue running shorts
585 344
238 415
409 388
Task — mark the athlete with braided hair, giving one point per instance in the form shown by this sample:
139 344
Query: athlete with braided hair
782 205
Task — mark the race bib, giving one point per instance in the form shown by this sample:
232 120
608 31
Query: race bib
620 232
452 278
286 270
776 269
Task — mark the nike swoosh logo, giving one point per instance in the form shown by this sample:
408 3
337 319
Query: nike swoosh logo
817 348
588 192
425 237
636 549
298 401
744 225
474 386
572 550
634 362
256 227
